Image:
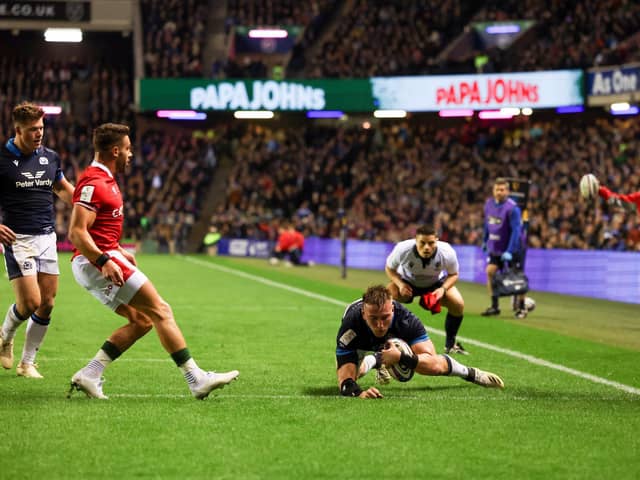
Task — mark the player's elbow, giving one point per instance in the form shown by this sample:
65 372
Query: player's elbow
74 235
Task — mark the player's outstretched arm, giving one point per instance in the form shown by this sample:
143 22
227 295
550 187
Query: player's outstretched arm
348 385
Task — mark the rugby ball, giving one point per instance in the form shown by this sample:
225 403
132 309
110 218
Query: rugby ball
589 186
529 304
397 371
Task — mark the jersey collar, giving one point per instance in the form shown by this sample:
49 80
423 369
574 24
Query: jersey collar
101 166
11 146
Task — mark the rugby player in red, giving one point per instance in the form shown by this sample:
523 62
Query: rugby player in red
110 274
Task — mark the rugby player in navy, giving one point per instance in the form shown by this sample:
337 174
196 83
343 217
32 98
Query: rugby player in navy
29 175
366 326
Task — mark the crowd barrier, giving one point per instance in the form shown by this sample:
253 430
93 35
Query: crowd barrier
589 273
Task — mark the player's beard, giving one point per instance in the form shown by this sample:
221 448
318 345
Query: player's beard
121 164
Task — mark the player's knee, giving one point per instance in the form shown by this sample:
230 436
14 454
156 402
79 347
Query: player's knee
46 307
435 365
29 305
161 312
456 306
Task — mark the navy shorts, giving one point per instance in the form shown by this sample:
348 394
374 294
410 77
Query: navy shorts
515 263
419 291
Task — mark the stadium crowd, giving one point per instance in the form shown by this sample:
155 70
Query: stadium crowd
382 38
388 178
174 36
396 176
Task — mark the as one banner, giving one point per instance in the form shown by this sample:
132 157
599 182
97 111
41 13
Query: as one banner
610 84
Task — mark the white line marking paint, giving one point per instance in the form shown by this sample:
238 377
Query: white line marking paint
504 351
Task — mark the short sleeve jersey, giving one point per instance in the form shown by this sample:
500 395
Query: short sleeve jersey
354 333
420 272
26 188
98 191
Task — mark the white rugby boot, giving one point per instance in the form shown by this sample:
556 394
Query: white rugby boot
92 387
485 379
210 381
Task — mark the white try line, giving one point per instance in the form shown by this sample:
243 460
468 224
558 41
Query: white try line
504 351
223 395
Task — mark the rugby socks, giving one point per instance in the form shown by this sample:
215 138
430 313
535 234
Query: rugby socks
187 365
456 369
11 323
451 327
107 354
36 330
494 301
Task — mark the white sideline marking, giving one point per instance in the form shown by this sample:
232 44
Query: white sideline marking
504 351
315 397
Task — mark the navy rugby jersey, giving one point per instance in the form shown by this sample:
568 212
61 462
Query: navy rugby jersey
26 188
355 334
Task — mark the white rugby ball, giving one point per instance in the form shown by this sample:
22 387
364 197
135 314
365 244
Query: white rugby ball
529 304
589 186
397 371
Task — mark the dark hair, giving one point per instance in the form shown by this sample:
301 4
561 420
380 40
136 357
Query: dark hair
376 295
426 230
107 135
27 112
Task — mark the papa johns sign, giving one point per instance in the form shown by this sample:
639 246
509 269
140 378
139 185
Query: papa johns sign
500 91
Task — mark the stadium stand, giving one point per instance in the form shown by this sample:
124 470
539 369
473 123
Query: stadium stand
389 177
174 34
399 175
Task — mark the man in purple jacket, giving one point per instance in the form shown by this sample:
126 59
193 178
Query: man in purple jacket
501 240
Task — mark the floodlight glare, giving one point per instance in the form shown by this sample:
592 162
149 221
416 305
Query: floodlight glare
68 35
619 107
390 114
456 112
253 114
51 109
268 33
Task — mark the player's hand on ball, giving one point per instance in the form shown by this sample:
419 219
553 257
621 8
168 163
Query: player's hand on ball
372 392
390 354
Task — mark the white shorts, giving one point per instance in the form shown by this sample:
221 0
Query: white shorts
90 277
32 254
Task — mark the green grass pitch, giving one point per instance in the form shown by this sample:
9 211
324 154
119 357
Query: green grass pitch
570 409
